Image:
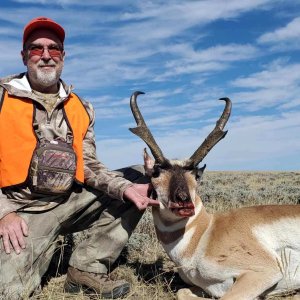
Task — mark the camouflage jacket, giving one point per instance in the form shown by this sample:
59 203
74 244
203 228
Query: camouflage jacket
53 124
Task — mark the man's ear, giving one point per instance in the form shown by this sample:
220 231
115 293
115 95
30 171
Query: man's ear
24 58
148 163
63 55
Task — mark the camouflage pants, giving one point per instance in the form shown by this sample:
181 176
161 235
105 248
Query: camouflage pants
107 222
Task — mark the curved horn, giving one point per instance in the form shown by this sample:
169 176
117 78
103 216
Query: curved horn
142 130
214 137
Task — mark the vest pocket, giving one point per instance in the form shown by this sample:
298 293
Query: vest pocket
53 168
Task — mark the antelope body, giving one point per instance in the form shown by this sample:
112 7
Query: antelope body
241 254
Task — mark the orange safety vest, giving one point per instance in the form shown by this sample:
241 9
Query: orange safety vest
18 139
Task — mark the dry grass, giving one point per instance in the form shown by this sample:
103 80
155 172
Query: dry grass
144 263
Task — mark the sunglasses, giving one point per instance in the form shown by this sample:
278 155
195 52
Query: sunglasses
38 50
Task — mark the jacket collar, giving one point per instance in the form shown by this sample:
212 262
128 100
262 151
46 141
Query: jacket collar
18 85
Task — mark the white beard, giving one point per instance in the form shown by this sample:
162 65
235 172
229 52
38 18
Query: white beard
47 78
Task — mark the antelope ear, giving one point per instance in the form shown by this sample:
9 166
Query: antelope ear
199 172
148 163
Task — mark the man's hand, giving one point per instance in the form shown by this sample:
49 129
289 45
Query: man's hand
138 194
13 228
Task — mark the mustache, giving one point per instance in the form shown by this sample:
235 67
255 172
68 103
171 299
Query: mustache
47 64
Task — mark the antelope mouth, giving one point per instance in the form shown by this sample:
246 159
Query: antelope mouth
182 209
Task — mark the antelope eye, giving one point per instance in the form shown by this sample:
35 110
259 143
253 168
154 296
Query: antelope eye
156 171
197 175
198 172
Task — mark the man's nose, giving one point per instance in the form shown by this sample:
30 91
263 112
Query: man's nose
46 55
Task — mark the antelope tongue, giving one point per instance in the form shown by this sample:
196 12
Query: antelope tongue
182 209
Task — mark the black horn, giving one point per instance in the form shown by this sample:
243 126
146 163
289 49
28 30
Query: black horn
214 137
143 131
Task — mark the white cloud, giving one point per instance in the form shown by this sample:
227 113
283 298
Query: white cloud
289 32
184 56
73 2
119 51
11 61
277 84
284 38
187 60
165 16
171 17
252 143
272 76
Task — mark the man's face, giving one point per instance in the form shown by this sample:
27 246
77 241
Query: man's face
43 55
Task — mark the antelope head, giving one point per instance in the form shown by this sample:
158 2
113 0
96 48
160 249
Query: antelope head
175 181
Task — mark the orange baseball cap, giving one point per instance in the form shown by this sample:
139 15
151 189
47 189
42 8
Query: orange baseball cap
43 22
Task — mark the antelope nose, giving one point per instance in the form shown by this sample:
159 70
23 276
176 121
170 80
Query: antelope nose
182 196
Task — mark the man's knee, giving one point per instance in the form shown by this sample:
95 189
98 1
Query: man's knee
14 286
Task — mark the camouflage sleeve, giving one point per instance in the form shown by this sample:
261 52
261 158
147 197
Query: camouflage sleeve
7 206
96 174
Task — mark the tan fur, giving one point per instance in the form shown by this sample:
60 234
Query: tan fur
232 245
190 294
238 255
235 255
199 224
243 219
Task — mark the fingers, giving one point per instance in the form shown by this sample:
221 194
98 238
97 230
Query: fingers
24 227
13 229
143 202
138 195
13 239
6 243
153 202
142 206
19 241
15 242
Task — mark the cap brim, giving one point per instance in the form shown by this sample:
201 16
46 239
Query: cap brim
56 28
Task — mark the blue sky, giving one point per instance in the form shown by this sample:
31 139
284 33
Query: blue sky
184 55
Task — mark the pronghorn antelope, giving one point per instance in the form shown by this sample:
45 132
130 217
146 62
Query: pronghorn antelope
241 254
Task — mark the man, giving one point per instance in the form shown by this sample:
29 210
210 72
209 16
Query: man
38 111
